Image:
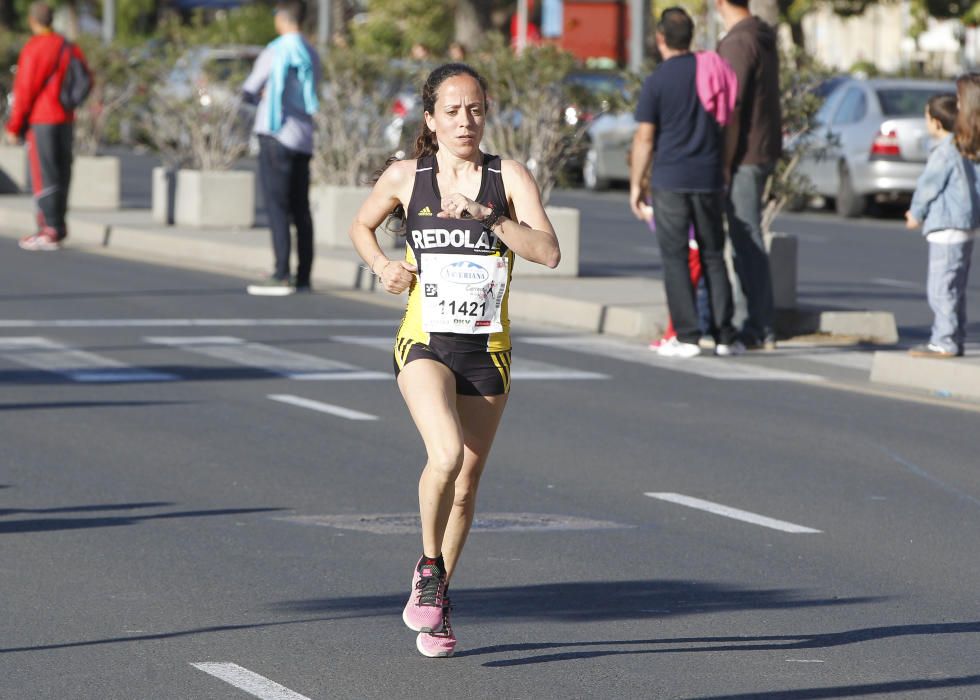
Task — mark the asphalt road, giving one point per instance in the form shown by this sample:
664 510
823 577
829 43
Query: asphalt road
159 510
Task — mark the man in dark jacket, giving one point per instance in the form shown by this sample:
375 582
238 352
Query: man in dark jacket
48 127
753 146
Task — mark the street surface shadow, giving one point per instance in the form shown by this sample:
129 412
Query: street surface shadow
127 293
587 601
13 527
853 691
182 373
577 651
55 405
85 509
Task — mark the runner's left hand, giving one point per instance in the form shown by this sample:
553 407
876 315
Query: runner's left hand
457 206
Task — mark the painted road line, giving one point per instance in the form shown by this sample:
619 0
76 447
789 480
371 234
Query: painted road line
409 523
273 360
735 513
78 365
330 408
898 284
194 322
849 359
522 367
721 368
251 683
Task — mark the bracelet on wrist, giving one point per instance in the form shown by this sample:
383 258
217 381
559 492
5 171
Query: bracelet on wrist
491 220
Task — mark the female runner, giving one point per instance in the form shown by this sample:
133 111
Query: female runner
466 214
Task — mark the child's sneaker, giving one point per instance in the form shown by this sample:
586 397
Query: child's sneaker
932 350
424 610
43 240
438 644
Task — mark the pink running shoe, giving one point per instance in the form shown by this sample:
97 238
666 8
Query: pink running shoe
438 644
423 611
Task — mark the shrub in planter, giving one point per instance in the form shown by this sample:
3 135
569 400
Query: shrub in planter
192 133
356 132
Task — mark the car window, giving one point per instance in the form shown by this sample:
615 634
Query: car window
904 102
852 108
228 67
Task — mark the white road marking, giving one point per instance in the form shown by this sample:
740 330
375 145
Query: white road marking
851 359
77 365
251 683
192 322
330 408
522 368
409 523
735 513
900 284
285 363
721 368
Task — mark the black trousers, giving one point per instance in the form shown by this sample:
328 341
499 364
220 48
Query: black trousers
49 149
285 178
674 213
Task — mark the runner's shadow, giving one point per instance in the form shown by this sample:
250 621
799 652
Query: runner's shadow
851 691
691 645
588 601
55 405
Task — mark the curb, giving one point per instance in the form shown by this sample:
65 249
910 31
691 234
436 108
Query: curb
947 377
340 273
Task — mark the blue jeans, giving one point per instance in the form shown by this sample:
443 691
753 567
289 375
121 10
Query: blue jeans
285 178
949 269
744 209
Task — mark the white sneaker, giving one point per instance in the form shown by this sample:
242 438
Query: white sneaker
729 349
675 348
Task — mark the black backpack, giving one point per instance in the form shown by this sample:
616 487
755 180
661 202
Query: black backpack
77 83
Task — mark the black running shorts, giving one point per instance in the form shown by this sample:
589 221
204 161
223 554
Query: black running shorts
478 372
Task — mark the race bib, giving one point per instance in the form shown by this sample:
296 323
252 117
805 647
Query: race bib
462 293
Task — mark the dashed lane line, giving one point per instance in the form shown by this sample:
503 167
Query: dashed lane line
252 683
193 322
348 413
720 368
734 513
78 365
285 363
523 368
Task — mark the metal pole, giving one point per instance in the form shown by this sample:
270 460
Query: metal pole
108 21
638 33
521 25
323 25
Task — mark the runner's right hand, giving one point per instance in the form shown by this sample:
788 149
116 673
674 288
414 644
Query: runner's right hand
397 276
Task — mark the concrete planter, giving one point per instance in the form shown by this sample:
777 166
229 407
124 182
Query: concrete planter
333 208
567 225
13 169
95 183
164 195
782 269
215 198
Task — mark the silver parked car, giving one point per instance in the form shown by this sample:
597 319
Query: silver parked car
870 141
610 137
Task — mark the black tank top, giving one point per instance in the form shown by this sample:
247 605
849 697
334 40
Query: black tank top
425 233
428 234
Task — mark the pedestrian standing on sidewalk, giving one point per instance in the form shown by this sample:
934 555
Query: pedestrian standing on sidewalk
683 107
39 116
753 146
466 214
284 83
946 204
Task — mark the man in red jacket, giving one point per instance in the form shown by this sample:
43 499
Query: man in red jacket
48 127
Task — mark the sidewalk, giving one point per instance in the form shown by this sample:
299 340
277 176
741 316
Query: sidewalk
587 304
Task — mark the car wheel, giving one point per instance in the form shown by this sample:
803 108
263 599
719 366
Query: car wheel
849 203
590 172
796 202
